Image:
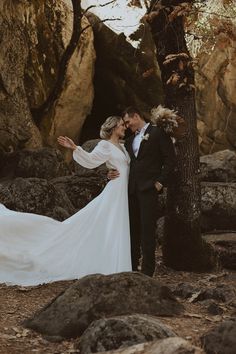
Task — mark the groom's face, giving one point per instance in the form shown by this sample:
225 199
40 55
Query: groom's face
132 122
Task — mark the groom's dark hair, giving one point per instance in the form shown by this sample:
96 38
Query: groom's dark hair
132 110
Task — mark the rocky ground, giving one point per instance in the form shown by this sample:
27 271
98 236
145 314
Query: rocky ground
208 298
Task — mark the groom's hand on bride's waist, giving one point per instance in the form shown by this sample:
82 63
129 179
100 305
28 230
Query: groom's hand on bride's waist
112 174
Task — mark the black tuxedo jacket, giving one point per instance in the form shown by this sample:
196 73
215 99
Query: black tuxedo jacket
155 162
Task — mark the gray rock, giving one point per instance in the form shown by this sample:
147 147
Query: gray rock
218 201
35 195
221 340
219 167
218 206
173 345
80 189
185 290
214 309
41 163
225 247
221 293
99 172
97 296
121 331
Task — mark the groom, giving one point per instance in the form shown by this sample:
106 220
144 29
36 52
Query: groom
152 162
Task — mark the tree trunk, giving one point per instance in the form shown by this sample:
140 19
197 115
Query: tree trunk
183 247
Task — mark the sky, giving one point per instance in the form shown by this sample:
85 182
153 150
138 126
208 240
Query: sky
129 17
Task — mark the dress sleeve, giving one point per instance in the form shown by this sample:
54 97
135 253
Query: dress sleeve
99 155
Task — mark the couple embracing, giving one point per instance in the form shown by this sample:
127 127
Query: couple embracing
114 230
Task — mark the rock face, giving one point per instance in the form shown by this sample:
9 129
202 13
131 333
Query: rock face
216 99
16 124
175 345
221 340
219 167
76 100
121 331
34 36
120 77
97 296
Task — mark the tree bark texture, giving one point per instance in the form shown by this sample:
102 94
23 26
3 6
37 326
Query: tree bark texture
183 246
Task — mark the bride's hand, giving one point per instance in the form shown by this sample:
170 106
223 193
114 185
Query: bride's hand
66 142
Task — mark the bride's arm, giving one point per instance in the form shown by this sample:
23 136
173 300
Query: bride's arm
99 155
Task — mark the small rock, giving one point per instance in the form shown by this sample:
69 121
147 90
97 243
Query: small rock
185 290
222 293
214 309
173 345
221 339
121 331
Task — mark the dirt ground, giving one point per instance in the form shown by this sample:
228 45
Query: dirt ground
18 303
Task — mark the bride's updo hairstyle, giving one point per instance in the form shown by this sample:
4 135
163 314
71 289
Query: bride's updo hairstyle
108 127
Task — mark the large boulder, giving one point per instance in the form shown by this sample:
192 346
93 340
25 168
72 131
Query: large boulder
80 189
174 345
221 339
97 296
218 201
35 195
225 247
34 35
219 167
121 331
100 171
218 206
41 163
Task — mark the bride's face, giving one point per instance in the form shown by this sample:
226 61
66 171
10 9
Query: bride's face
120 129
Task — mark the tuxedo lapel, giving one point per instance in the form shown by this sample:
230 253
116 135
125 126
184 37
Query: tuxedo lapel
143 142
130 146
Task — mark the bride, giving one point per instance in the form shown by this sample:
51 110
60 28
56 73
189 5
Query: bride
36 249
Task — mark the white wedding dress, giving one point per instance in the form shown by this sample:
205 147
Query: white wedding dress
36 249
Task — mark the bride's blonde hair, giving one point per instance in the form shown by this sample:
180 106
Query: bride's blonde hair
108 126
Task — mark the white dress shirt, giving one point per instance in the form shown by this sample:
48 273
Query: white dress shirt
138 139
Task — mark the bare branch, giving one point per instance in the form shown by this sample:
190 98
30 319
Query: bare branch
100 21
94 6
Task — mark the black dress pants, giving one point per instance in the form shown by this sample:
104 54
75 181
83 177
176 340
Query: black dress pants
143 217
